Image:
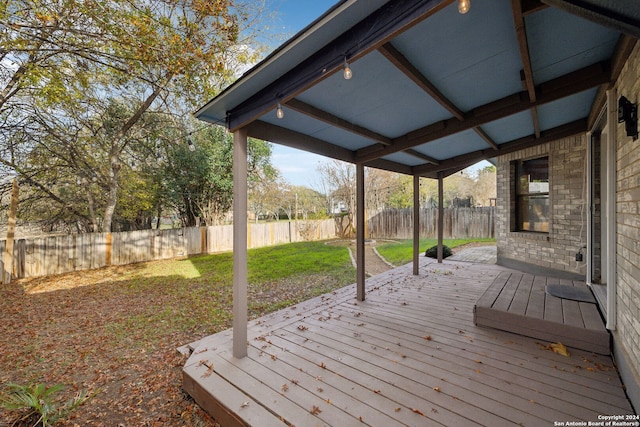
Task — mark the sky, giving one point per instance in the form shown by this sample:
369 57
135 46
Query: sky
296 166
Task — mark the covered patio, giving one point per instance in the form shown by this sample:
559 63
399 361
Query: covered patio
415 87
408 355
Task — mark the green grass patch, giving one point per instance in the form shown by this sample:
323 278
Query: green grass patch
402 252
194 295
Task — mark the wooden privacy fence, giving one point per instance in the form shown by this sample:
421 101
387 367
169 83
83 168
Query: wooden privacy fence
60 254
458 223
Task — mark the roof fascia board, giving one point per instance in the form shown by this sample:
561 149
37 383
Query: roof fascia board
569 84
624 18
274 56
376 29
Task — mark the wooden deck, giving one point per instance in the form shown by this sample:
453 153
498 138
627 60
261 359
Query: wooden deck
409 355
517 302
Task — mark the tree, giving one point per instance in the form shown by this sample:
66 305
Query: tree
485 188
310 203
120 60
339 186
199 183
270 195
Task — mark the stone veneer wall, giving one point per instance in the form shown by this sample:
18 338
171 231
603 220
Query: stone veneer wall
555 250
627 333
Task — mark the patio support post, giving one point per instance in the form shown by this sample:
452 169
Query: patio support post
240 315
360 276
416 224
440 214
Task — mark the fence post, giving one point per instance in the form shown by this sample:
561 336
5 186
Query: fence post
108 249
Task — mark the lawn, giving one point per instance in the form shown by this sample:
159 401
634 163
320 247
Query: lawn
114 331
402 252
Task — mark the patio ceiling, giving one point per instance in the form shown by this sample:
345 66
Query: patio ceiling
434 90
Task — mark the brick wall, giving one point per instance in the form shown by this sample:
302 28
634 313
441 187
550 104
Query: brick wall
627 335
568 213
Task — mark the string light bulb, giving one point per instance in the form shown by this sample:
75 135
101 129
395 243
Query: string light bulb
279 112
192 146
464 6
347 73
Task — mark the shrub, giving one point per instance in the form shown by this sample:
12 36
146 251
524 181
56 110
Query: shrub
35 404
432 252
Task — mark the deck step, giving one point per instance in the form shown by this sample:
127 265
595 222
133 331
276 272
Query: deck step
516 302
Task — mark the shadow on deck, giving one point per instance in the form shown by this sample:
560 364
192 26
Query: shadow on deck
409 355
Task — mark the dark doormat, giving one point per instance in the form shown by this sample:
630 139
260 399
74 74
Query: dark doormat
575 293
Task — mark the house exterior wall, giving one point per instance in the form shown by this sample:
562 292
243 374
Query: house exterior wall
567 223
627 334
567 233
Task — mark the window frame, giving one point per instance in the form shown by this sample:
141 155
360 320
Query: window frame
522 213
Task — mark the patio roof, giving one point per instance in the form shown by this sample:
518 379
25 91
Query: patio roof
434 90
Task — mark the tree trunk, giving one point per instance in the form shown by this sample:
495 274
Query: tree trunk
112 197
116 149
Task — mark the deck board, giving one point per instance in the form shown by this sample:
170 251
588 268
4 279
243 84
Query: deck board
409 355
573 323
523 293
535 307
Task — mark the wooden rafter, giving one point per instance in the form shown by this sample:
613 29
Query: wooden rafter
618 59
394 56
408 69
572 83
333 120
486 138
532 6
523 44
604 13
419 155
268 132
559 132
527 70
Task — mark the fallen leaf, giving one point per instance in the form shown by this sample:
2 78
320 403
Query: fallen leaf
398 409
428 338
315 410
419 412
285 387
559 348
437 389
303 327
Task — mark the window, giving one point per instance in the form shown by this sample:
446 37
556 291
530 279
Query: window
532 195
